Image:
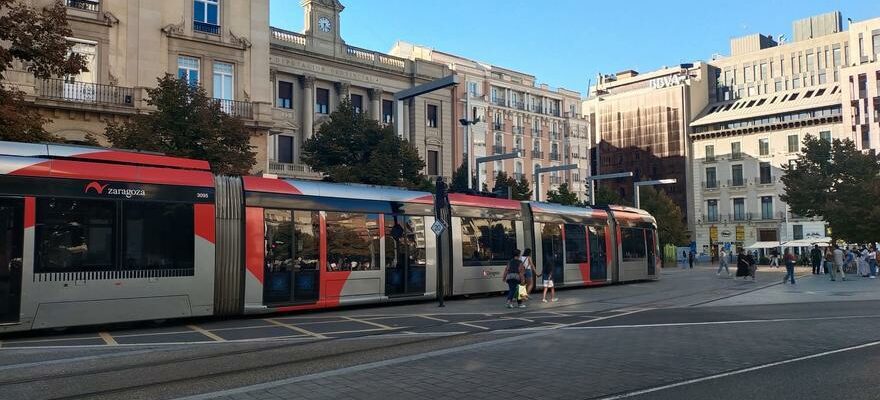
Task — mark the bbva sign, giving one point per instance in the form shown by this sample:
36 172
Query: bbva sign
670 80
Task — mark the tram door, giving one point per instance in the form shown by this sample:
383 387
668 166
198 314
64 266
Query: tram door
649 243
598 260
552 251
11 240
405 255
292 254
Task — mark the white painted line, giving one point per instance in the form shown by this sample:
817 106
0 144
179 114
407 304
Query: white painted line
517 319
400 335
604 318
473 326
376 324
296 328
432 318
746 321
77 359
293 338
184 332
738 372
206 333
356 331
108 339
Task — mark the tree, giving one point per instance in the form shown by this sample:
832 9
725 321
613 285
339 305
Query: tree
670 220
37 39
606 195
837 182
520 189
350 147
187 123
563 196
459 179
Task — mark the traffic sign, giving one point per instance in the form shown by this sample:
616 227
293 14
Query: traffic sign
438 227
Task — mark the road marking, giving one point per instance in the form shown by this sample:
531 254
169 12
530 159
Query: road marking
108 339
432 318
473 326
376 324
517 318
603 318
206 333
738 372
296 328
745 321
78 359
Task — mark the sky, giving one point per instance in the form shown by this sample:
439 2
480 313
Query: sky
567 44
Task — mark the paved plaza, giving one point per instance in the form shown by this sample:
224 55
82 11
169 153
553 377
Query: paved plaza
684 336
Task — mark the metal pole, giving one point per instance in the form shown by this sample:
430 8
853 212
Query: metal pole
467 136
636 195
537 179
592 185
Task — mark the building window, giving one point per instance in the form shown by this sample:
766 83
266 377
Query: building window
188 69
486 241
764 172
766 207
223 80
285 95
387 111
285 149
357 102
431 117
825 135
736 150
763 147
352 241
739 209
736 173
797 232
711 178
206 16
710 153
793 144
322 101
472 89
433 162
712 210
866 137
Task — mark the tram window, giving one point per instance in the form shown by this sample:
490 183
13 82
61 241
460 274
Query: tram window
633 243
409 232
291 240
486 241
75 235
352 242
575 244
158 235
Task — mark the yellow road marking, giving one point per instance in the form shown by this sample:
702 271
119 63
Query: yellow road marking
378 325
296 328
206 332
432 318
108 339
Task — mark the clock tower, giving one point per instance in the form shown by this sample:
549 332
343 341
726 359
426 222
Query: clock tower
322 22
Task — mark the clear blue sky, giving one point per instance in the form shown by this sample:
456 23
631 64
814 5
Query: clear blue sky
566 45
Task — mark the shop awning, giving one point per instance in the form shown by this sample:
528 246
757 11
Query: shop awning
822 242
763 245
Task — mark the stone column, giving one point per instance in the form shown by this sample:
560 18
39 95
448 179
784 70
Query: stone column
342 91
376 104
308 114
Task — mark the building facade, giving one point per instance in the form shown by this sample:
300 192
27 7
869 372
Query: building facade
311 72
221 45
642 126
516 114
765 98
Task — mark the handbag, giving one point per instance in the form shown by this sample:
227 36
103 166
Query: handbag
522 293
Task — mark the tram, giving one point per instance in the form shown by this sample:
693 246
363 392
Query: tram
92 236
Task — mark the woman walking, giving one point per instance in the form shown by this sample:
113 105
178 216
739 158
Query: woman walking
514 274
723 263
744 263
789 266
529 269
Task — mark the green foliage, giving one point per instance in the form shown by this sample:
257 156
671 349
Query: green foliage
459 179
839 183
563 196
187 123
670 220
37 39
606 195
353 148
520 189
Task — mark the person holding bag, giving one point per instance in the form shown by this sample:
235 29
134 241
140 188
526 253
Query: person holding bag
789 266
514 274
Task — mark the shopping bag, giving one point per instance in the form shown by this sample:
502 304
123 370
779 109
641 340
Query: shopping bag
523 293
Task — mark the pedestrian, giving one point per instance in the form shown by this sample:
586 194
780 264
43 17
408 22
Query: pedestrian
691 259
837 267
872 261
829 260
850 260
789 260
864 268
774 258
723 263
514 274
529 269
547 277
816 258
744 263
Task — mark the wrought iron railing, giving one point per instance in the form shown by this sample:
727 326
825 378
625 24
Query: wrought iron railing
88 5
235 108
85 92
206 27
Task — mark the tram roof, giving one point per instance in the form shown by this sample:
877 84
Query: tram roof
552 208
335 190
99 154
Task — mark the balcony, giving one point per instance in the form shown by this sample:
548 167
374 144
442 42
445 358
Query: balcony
555 180
537 154
710 217
498 149
88 5
737 183
766 217
293 170
518 130
736 156
498 126
555 113
536 108
709 159
87 93
499 101
768 180
744 216
235 108
519 105
555 157
205 27
710 185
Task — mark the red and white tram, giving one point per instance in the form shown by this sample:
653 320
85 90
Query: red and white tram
92 236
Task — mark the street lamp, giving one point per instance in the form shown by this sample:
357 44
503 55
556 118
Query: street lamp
591 183
637 185
497 157
467 137
539 171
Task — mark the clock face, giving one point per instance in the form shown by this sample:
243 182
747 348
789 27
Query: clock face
324 24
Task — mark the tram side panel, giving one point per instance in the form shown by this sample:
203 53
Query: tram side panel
483 243
636 245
